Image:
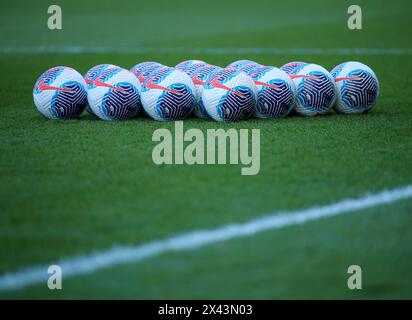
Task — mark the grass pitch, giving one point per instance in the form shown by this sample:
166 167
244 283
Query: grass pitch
72 187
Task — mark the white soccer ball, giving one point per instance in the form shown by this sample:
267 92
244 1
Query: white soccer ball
357 87
291 67
276 93
250 68
114 94
229 96
200 78
143 70
60 93
241 63
315 88
92 74
190 66
169 94
95 71
185 63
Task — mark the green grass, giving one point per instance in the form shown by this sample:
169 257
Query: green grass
71 187
301 262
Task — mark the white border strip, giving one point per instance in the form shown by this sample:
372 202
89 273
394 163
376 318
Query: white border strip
211 51
187 241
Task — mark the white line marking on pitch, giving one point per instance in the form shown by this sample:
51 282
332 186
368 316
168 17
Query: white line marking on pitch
213 51
126 254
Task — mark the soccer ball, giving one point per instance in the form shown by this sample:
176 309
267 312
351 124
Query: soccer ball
95 71
114 94
276 93
315 88
247 66
169 94
190 66
186 63
60 93
241 63
229 96
357 87
250 68
291 67
92 74
143 70
199 79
